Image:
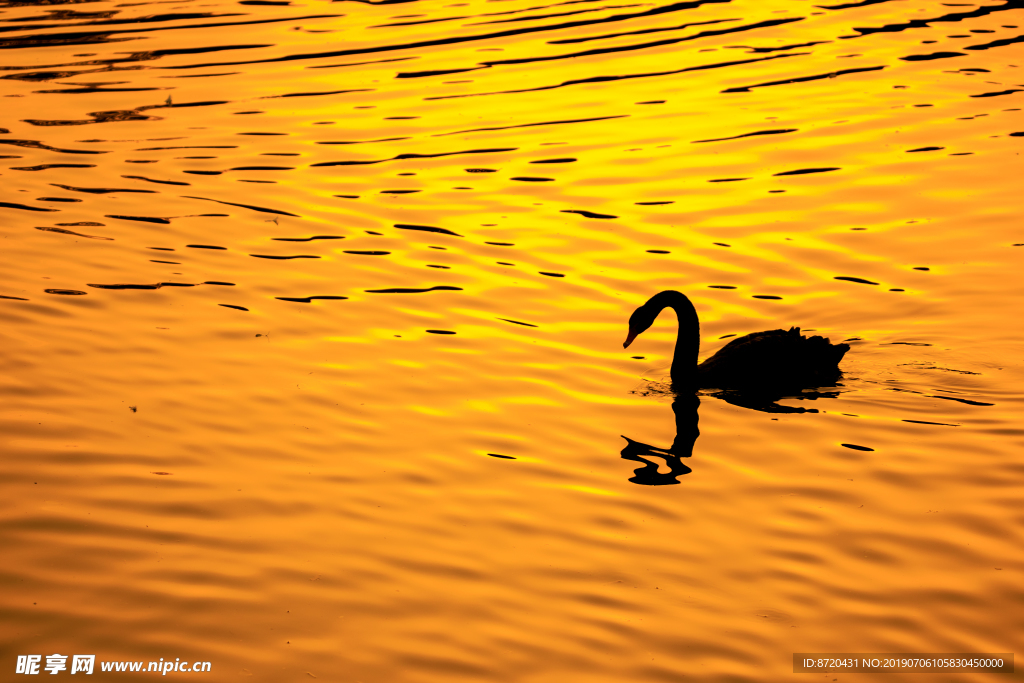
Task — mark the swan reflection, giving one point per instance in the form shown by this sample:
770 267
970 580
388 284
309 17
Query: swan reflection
685 410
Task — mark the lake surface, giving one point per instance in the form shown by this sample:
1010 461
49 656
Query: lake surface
311 324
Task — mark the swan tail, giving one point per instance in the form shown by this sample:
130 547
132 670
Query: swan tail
825 351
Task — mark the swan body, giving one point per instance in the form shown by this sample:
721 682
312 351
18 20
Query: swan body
771 361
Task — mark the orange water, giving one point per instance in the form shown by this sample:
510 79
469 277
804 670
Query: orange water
294 489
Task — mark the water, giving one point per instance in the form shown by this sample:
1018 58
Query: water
312 318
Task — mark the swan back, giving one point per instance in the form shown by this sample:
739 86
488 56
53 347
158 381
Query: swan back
775 359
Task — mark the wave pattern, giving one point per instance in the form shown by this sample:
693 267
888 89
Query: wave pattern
312 313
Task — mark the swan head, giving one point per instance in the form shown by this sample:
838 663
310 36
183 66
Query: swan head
641 319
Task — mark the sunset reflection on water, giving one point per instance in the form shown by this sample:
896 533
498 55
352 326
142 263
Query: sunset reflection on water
312 314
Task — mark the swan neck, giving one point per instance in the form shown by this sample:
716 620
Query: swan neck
684 360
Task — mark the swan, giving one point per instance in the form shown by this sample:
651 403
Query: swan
772 361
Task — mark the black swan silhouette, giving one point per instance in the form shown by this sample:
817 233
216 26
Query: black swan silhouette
774 362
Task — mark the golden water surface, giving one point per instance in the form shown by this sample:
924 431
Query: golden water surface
311 323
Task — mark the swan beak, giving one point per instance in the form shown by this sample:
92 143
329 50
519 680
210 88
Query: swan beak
629 339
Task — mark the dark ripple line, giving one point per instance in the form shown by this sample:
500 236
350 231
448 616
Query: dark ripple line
44 167
803 79
778 131
317 94
202 50
62 40
89 89
307 299
142 219
516 322
997 94
361 142
420 23
307 239
97 116
963 400
64 231
406 290
437 72
282 258
805 171
160 149
996 43
152 180
416 156
850 5
132 286
23 207
426 228
793 46
378 61
246 206
589 214
933 55
35 144
185 105
100 190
